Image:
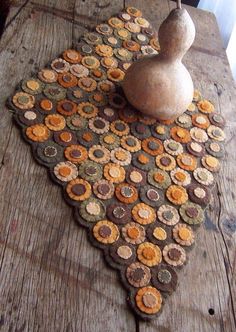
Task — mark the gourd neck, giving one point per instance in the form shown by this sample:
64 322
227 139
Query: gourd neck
176 34
167 56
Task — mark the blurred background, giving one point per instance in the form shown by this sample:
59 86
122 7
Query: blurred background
225 12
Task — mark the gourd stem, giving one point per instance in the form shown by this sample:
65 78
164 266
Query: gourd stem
179 4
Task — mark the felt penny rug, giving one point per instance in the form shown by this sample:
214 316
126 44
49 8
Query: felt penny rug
139 186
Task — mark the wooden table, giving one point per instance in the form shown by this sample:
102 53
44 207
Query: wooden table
52 279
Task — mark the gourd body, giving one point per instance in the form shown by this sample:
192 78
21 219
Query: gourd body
160 85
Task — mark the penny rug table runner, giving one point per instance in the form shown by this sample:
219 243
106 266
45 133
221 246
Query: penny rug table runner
139 186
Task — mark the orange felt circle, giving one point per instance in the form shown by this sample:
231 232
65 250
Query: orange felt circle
64 171
115 73
37 133
98 97
97 73
81 156
66 107
87 136
133 232
148 253
140 300
65 136
180 134
204 124
186 161
46 104
55 121
157 146
158 177
205 106
143 159
128 200
72 56
180 176
176 194
67 80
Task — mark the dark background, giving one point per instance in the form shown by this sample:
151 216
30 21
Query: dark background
4 10
193 3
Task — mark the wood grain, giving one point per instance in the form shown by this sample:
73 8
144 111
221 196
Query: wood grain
52 279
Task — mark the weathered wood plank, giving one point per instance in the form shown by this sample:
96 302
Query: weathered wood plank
208 281
52 279
89 13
